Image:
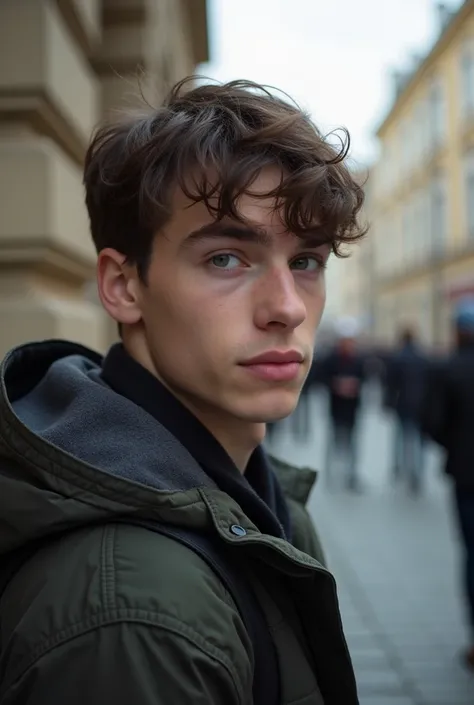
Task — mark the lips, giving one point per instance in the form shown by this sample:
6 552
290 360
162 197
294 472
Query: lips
276 357
275 365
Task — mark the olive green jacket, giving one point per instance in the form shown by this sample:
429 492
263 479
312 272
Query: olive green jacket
109 612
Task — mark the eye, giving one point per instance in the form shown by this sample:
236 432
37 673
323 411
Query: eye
225 261
307 264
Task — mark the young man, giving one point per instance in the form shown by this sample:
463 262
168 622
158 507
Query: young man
448 419
213 219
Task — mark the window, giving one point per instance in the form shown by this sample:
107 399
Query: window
393 243
385 244
408 232
415 229
467 79
418 226
439 214
437 114
469 192
424 223
425 316
422 146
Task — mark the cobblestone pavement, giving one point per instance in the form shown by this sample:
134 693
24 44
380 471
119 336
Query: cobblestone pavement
396 560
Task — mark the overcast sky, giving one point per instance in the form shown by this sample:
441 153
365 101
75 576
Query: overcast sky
333 56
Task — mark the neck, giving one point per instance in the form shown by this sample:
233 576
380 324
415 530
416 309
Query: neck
238 438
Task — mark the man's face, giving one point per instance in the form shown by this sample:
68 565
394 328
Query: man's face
218 297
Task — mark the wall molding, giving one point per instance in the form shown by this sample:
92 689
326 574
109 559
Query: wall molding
46 257
34 108
75 25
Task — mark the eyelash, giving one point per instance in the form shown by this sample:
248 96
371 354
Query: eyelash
321 262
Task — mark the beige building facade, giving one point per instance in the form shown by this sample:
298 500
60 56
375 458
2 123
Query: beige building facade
64 64
356 274
422 209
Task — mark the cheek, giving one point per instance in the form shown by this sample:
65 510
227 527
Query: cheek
191 320
322 302
173 299
315 303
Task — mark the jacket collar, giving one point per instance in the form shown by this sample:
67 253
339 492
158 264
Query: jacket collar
257 492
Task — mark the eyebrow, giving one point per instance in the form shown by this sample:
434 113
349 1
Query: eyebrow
244 233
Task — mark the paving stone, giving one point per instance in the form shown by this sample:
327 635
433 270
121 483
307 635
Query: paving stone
361 640
415 641
386 700
440 697
370 660
380 682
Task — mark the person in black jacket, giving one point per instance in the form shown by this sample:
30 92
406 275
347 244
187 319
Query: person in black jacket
448 418
343 374
406 378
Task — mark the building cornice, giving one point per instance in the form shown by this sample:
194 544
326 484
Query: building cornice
47 257
453 27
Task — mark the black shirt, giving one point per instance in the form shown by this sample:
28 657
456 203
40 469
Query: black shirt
257 492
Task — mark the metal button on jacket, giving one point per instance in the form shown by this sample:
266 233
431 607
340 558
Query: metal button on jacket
238 530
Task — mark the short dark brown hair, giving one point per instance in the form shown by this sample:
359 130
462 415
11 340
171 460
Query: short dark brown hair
212 141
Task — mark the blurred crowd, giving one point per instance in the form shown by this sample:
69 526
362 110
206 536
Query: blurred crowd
430 398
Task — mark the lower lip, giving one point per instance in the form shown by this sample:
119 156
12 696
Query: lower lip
275 372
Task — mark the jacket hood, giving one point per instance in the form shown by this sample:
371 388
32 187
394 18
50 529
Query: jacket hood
296 482
74 452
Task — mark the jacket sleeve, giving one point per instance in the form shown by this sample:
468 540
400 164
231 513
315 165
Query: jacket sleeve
131 662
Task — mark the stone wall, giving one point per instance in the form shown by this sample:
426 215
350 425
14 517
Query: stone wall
64 64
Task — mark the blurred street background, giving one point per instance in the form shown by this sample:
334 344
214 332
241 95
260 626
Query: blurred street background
397 562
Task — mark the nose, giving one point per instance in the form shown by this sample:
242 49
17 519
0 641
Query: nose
279 304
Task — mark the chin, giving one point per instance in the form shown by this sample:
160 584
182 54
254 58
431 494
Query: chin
271 409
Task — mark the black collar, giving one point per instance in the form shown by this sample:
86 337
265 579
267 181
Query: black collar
257 492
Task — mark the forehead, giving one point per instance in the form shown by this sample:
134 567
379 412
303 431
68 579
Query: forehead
254 207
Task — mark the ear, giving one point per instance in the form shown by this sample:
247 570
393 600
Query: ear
118 287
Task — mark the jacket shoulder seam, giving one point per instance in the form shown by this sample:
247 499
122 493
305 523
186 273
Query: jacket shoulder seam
155 620
107 568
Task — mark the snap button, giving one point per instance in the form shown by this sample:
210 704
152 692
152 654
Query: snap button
238 530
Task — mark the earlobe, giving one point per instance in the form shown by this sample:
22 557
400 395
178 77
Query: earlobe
117 286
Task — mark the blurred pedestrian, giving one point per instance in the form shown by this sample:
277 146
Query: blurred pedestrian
406 378
343 375
448 418
300 419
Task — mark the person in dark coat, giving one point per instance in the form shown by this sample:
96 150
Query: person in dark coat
448 418
343 374
406 384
